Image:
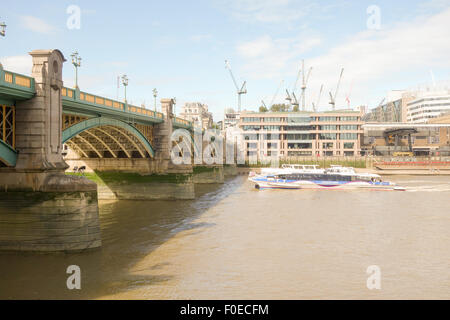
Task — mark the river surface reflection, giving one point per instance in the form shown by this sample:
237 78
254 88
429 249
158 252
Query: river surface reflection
234 242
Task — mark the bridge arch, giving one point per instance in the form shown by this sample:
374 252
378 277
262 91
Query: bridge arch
8 156
106 134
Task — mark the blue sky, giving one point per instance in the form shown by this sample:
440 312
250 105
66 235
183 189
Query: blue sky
179 47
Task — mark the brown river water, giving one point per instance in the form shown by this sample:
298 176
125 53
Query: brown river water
234 242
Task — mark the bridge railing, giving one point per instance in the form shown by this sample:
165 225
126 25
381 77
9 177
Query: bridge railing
17 81
108 103
182 122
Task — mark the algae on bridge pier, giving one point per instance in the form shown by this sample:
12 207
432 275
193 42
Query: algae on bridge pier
107 177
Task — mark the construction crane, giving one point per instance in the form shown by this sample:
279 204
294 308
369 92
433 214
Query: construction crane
304 84
333 97
264 104
292 100
347 96
240 91
276 93
316 105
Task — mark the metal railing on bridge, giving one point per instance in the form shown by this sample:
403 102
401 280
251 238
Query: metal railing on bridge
70 94
14 86
179 122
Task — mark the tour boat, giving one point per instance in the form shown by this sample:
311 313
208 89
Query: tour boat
336 177
289 168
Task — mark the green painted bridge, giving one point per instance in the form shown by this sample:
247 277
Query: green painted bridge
91 126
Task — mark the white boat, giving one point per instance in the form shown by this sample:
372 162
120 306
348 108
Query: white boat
288 168
336 177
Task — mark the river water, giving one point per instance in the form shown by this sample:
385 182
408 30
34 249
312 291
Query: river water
234 242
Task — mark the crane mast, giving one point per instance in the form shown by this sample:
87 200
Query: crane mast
240 90
316 105
333 98
304 84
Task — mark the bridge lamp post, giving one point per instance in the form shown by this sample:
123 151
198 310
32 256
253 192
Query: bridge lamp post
76 61
155 94
125 84
2 29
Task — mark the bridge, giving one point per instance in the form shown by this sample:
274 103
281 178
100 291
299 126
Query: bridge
41 122
92 126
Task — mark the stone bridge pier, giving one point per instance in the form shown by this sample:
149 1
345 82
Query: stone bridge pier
41 208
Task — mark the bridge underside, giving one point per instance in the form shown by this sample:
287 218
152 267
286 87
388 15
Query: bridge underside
107 138
107 142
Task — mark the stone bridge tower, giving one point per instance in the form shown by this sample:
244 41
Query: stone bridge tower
41 208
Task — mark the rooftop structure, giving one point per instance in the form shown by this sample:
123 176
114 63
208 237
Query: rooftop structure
197 113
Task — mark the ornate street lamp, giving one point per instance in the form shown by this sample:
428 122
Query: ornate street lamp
125 84
155 94
2 29
76 61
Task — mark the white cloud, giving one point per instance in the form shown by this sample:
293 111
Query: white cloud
374 57
36 25
270 58
20 64
371 58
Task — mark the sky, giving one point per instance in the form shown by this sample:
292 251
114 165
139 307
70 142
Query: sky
179 47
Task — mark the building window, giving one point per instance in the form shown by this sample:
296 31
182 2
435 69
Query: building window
328 145
299 145
327 119
273 128
299 128
304 136
349 136
327 136
349 127
298 119
349 118
253 119
327 127
271 119
349 145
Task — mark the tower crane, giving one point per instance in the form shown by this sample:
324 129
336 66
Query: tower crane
276 93
292 100
304 84
316 105
240 91
333 97
347 97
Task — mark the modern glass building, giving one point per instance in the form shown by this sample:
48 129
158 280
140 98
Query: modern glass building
336 133
427 107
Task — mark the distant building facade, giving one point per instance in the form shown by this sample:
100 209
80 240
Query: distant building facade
412 106
394 110
197 113
419 139
427 106
291 134
231 119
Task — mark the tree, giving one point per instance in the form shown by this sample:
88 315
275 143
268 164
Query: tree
263 109
296 108
281 107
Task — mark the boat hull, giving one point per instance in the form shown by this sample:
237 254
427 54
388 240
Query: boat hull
325 185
